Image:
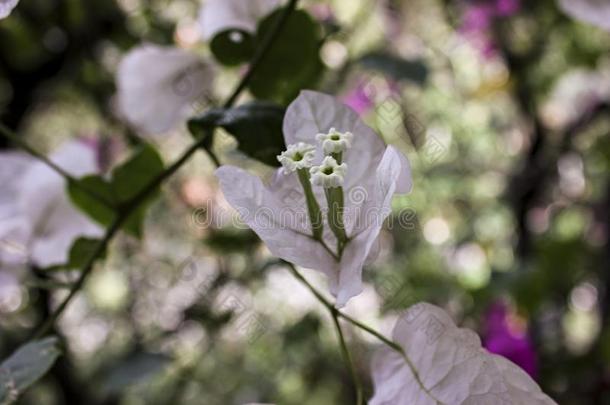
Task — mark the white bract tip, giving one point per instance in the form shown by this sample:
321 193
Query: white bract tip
329 174
335 141
297 156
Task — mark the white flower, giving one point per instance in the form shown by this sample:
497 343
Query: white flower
335 141
6 6
37 221
451 367
329 174
298 156
277 212
596 12
157 86
217 16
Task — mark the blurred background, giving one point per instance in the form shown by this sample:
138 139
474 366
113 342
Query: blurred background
503 108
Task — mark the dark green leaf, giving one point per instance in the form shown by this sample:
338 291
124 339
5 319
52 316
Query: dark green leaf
203 126
232 47
257 126
293 62
89 204
81 251
127 181
395 67
25 366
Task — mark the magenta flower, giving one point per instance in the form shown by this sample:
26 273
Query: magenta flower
478 18
359 100
504 336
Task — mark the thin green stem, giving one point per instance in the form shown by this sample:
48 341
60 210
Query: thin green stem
391 344
313 208
347 357
86 270
127 209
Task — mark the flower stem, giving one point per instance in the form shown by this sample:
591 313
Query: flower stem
391 344
347 357
335 200
313 209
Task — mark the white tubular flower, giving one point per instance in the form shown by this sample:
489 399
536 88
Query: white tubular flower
6 6
335 141
329 174
274 211
447 366
298 156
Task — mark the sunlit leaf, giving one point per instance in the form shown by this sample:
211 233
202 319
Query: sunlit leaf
25 366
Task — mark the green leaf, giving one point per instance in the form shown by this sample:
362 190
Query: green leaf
232 47
257 127
98 211
81 251
135 368
25 366
293 62
397 68
202 127
126 181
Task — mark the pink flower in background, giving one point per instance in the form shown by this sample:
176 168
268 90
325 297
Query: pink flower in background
479 17
359 100
505 336
506 8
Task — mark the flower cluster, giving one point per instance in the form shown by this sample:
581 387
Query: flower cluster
331 154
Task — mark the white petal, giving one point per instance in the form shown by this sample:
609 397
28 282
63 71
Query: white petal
405 180
312 113
222 15
451 366
43 201
596 12
267 212
6 6
157 86
374 211
12 166
15 234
